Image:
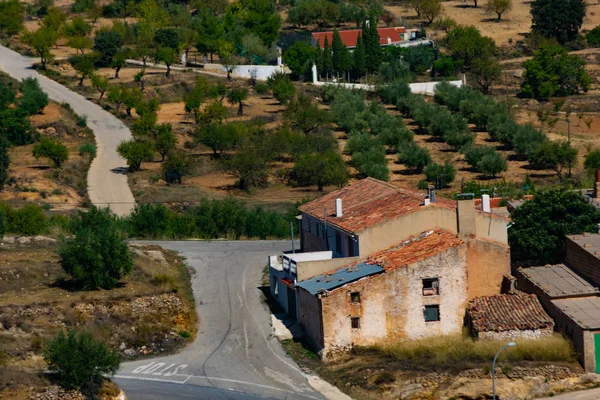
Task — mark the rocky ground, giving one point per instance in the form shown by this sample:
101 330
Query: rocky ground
152 311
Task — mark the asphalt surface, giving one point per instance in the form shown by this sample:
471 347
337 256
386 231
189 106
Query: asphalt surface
107 182
234 355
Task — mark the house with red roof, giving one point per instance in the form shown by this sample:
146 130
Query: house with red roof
380 263
387 36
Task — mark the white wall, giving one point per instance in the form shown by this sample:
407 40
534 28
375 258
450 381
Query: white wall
263 72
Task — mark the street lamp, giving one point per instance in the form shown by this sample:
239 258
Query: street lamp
509 344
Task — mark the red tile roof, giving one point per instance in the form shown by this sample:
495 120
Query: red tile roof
350 37
369 202
506 312
415 249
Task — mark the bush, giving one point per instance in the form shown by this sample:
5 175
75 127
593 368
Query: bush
261 88
88 150
372 163
394 91
593 37
527 140
81 121
51 149
441 175
96 256
28 220
282 87
414 156
492 164
592 160
177 165
135 152
4 162
2 223
148 221
320 169
79 360
106 45
33 99
474 154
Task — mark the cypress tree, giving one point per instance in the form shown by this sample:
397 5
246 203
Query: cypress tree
319 60
372 47
346 62
327 61
337 48
359 58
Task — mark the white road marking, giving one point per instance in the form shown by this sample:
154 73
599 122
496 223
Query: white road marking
187 377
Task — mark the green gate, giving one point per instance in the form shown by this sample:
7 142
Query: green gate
597 351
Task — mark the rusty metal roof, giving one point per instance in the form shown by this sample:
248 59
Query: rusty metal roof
584 311
507 312
559 281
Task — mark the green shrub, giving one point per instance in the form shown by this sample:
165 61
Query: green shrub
320 169
372 163
135 152
52 149
15 126
393 92
261 88
96 256
414 156
148 221
177 165
88 150
81 121
492 164
593 37
441 175
79 360
33 99
185 334
28 220
592 160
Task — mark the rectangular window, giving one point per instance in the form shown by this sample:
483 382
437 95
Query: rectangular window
432 313
431 287
355 321
355 297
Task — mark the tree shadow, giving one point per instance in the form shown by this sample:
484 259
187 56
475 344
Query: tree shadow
71 285
120 170
40 167
407 172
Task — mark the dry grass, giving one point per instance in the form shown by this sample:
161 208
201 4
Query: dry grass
456 349
150 307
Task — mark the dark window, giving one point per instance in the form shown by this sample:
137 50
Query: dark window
350 247
338 242
432 313
355 297
431 287
355 321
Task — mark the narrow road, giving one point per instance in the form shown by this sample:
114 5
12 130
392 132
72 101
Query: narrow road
234 355
107 182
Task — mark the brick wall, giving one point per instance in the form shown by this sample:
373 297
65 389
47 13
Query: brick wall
582 261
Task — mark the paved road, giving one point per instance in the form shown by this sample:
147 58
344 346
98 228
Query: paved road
234 356
107 184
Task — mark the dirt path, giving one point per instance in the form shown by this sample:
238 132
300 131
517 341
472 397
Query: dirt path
107 182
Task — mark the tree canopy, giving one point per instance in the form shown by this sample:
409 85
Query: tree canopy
540 225
559 19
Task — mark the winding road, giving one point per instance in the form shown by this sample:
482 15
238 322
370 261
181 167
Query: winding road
234 355
107 181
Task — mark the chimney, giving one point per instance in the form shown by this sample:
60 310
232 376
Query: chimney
389 40
431 193
597 185
485 203
338 208
465 210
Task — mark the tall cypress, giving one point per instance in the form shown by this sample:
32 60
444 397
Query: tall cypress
327 61
372 46
359 58
337 48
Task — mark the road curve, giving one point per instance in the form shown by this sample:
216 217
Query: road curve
234 355
107 181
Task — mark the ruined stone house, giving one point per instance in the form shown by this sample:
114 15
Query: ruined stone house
422 258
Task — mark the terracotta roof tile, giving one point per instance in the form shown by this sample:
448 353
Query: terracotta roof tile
505 312
414 249
350 37
368 202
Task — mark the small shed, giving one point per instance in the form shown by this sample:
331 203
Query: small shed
508 316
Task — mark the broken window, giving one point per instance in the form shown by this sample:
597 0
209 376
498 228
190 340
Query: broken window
431 287
432 313
355 321
355 297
